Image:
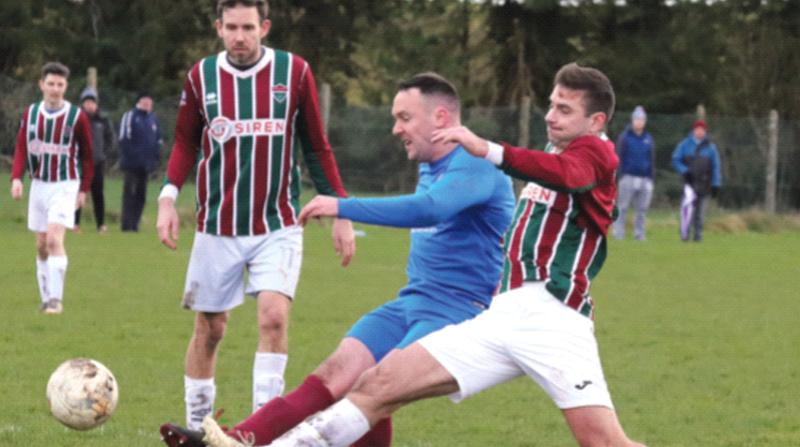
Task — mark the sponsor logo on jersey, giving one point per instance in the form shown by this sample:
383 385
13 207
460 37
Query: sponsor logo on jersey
223 129
279 92
38 147
211 98
538 194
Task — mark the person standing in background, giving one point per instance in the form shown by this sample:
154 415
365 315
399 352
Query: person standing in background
637 158
102 145
696 159
140 143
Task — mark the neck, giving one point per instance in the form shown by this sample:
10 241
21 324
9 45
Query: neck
53 104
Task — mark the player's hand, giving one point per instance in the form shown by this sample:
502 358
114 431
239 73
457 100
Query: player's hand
344 240
474 144
167 223
16 189
80 200
320 206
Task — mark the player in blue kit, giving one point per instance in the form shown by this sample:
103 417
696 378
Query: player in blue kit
458 215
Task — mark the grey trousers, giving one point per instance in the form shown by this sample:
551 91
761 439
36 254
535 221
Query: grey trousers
636 192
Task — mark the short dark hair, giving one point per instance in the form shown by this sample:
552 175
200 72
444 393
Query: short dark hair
431 84
599 95
56 68
261 5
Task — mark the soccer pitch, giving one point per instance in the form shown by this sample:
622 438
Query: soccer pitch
699 341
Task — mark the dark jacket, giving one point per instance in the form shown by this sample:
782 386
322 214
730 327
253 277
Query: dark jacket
102 136
698 163
139 140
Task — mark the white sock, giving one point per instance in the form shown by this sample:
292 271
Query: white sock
41 278
340 425
268 382
199 398
56 273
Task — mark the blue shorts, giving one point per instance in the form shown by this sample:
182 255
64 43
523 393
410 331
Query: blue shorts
403 321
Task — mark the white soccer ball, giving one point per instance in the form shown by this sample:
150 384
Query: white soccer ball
82 393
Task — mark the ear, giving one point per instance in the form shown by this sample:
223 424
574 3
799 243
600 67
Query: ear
441 117
218 26
266 25
598 121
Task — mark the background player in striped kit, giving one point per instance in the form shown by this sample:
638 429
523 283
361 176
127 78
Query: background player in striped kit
55 143
539 326
243 109
458 214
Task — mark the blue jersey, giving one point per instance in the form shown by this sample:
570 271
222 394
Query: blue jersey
458 214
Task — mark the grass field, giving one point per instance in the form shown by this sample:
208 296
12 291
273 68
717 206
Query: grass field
699 341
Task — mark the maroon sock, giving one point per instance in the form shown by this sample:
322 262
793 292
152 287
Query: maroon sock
379 436
283 413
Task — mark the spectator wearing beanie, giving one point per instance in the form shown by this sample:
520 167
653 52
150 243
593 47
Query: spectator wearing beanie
102 146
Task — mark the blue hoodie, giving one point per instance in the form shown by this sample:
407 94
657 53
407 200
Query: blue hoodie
637 153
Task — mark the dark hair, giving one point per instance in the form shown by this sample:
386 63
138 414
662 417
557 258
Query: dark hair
56 68
431 84
261 5
599 95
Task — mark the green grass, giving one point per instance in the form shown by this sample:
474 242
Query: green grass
699 341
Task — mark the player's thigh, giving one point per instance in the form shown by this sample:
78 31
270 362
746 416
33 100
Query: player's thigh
381 329
474 351
556 347
404 376
37 206
215 277
274 261
595 425
61 203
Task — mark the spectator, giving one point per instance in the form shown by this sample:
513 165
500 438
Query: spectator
102 144
140 142
637 154
697 160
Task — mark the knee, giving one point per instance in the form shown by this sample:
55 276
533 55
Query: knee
273 320
52 243
210 332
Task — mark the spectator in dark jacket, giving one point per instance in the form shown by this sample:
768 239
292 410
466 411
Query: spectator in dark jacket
637 157
140 143
102 146
697 160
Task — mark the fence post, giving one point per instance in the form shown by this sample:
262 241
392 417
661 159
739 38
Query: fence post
772 163
524 122
91 77
325 103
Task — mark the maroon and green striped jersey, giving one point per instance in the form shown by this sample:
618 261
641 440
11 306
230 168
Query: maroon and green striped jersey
245 125
54 145
558 234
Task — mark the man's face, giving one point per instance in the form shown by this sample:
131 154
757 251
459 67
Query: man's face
53 87
89 106
566 120
145 103
638 124
413 124
241 31
699 133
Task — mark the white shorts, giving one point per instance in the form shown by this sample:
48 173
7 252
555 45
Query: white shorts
52 203
525 331
216 276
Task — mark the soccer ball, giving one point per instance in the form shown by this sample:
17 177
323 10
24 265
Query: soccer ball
82 393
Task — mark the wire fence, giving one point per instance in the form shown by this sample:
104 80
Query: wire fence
372 160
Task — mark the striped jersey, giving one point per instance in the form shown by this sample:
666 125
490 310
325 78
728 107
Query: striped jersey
245 125
54 145
560 224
